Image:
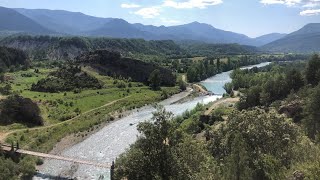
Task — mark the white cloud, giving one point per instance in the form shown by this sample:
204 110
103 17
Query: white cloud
310 12
286 2
128 6
152 12
148 13
307 6
191 4
170 21
312 4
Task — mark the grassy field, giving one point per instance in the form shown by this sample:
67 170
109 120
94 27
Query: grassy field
195 59
68 113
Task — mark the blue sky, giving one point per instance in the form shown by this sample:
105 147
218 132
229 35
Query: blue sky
249 17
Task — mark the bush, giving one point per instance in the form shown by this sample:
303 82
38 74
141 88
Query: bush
6 90
67 79
16 109
39 162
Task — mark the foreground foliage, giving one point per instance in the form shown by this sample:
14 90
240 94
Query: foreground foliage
162 152
274 134
11 170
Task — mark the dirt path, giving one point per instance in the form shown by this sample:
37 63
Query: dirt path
220 102
3 135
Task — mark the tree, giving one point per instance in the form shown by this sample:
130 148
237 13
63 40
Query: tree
218 64
161 152
175 65
237 163
192 74
182 84
267 139
8 169
27 167
150 157
21 110
312 120
251 98
155 80
313 70
6 90
228 87
294 79
1 77
229 65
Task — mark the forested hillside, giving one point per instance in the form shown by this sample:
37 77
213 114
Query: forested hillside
268 38
64 48
12 58
111 64
203 49
64 21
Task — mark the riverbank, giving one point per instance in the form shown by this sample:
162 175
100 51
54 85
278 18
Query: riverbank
220 102
109 142
73 139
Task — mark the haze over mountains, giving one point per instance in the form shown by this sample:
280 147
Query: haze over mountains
59 22
306 39
11 20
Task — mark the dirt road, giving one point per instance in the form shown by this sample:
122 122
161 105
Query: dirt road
4 135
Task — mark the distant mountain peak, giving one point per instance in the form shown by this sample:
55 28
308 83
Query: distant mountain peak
304 40
12 20
312 25
195 22
77 23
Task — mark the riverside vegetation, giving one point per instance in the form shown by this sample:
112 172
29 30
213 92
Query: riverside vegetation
271 133
75 94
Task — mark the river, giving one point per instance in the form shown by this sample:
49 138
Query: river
107 144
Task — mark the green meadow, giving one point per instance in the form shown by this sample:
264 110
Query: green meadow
66 113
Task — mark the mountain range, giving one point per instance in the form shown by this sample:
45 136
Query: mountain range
65 23
306 39
13 21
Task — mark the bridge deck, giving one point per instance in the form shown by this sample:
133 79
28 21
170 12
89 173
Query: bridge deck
50 156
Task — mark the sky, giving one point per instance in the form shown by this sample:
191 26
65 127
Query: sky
250 17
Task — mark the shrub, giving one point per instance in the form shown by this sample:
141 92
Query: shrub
21 110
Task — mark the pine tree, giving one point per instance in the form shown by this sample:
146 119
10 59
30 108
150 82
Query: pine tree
237 166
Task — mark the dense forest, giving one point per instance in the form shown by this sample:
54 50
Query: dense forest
111 64
67 78
210 66
11 59
64 48
204 49
272 133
